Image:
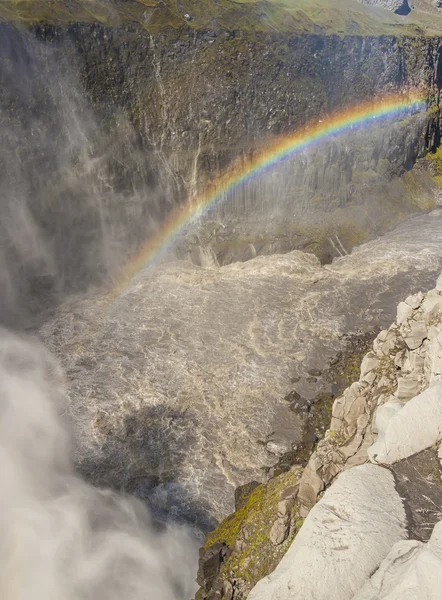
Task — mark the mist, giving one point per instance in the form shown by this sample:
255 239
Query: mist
75 201
61 537
78 191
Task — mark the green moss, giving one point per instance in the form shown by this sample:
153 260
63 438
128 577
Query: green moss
257 556
228 529
349 369
435 158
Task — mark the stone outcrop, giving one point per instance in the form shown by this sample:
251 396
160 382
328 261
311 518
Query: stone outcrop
351 528
251 541
406 359
412 569
392 416
400 7
399 434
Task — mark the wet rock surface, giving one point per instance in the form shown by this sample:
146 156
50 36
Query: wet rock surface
144 121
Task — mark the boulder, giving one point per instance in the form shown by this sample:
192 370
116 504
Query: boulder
311 485
415 300
417 426
404 312
280 530
369 363
411 570
414 333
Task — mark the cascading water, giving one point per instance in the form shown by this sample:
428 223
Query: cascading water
65 225
176 383
74 200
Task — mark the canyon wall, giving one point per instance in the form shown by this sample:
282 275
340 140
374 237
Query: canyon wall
145 120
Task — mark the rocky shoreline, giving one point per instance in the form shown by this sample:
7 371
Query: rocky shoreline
391 417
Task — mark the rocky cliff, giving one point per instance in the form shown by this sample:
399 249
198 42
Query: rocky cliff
391 417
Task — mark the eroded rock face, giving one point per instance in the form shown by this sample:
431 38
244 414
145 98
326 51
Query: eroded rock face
382 417
105 129
407 435
400 7
355 523
178 387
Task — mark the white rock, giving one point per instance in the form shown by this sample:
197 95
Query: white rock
385 413
392 340
415 301
412 571
377 344
370 378
407 388
434 355
417 361
417 426
404 312
343 540
382 335
415 334
439 283
369 363
432 305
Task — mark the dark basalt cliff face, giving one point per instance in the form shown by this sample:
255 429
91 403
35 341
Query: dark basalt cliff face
200 99
162 114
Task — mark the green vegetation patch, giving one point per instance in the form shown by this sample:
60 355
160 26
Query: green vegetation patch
228 530
255 556
341 17
435 160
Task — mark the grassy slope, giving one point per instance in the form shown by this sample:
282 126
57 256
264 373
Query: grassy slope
297 16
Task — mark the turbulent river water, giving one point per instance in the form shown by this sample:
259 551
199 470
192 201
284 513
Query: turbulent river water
176 388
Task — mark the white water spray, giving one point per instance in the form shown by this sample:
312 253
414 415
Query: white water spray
61 538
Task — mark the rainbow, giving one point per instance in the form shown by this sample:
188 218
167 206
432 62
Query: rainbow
278 151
